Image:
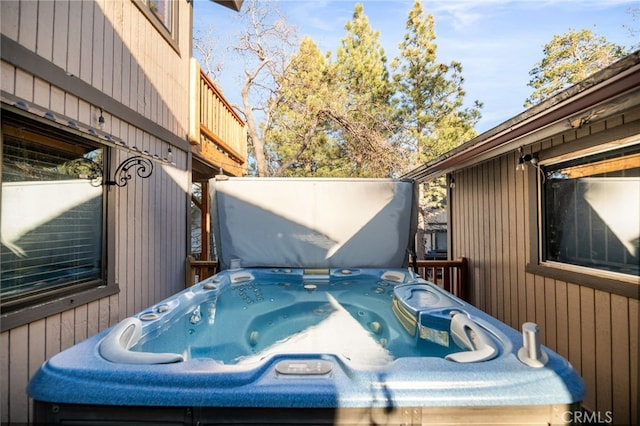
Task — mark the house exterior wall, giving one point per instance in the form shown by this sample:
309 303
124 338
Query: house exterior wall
72 58
494 225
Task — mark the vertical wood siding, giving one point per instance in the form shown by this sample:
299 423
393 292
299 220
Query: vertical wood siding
596 330
113 47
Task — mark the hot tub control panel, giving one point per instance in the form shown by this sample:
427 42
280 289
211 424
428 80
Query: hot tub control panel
303 367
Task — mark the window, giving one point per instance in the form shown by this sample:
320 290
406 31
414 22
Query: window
590 211
163 16
161 9
52 217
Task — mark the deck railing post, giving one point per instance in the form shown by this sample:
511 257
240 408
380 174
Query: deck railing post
205 269
448 285
190 272
464 271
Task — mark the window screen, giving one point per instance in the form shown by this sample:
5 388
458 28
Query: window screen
52 216
591 207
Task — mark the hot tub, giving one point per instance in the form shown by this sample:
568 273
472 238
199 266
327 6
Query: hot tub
269 341
353 346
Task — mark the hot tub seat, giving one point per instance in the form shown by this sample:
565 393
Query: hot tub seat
432 315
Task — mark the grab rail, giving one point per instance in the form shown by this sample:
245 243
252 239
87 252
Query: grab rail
116 344
450 275
467 334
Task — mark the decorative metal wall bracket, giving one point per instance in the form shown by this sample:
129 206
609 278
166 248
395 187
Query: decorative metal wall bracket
143 168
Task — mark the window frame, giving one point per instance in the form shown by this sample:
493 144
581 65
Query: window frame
44 304
169 34
612 282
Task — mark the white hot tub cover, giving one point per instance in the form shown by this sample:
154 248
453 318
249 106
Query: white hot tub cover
313 222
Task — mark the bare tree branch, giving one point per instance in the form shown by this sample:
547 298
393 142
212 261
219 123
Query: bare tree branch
265 46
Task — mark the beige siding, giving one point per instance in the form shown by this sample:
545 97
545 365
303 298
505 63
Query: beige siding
114 48
111 46
596 330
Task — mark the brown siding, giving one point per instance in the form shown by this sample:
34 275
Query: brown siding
111 46
595 329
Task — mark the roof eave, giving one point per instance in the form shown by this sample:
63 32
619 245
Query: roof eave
231 4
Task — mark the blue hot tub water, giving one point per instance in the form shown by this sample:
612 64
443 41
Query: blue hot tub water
238 322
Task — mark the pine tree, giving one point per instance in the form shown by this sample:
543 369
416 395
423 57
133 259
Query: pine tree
429 94
361 102
568 59
299 141
430 114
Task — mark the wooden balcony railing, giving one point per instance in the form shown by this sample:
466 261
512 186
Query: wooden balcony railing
217 133
451 275
198 270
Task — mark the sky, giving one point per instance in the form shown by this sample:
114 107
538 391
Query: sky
497 41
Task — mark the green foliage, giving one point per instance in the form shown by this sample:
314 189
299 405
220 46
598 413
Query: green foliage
361 110
298 143
568 59
361 65
429 94
434 195
352 118
429 102
295 109
88 166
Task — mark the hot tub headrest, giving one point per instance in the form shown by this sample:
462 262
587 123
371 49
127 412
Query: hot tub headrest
313 223
415 297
